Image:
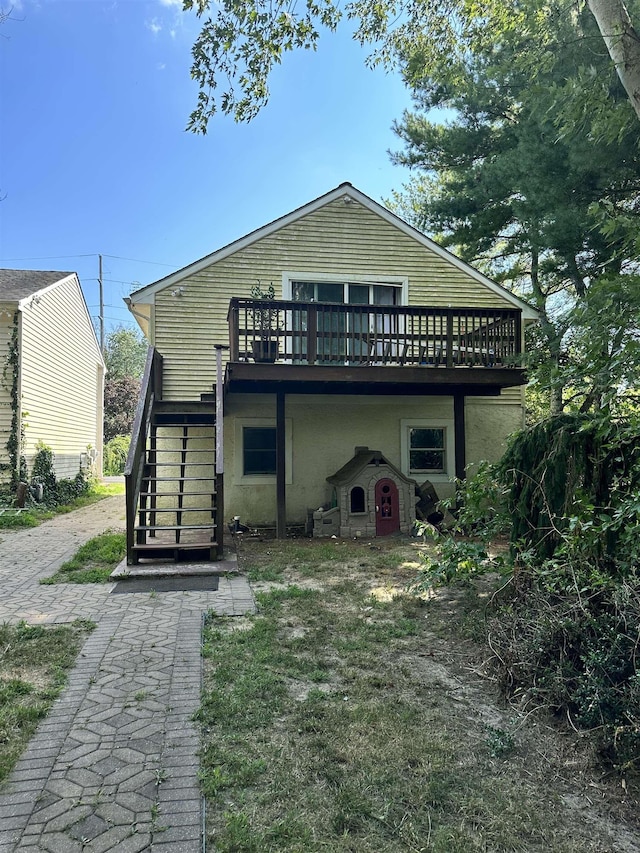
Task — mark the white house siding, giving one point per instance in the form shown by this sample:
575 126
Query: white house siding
323 431
349 240
7 311
61 377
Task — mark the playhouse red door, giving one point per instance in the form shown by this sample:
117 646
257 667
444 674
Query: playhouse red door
387 510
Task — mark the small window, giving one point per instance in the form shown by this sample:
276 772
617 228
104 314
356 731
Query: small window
259 450
357 500
427 450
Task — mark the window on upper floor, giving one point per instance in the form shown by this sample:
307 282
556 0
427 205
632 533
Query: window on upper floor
360 293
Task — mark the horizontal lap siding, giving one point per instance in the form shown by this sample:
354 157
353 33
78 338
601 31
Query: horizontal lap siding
344 239
60 363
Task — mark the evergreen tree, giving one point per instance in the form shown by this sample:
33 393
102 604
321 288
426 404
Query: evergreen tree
512 186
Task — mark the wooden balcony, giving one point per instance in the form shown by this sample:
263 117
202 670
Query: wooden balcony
337 348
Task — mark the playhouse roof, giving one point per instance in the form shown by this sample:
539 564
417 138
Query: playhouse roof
363 457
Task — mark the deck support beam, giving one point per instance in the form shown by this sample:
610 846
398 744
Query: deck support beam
459 435
281 490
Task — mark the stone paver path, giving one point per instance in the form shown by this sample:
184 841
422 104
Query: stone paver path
114 766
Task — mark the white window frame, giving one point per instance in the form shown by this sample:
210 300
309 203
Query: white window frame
401 282
240 478
406 425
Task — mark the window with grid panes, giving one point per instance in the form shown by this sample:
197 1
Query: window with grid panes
427 450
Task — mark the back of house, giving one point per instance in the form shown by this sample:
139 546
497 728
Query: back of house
376 337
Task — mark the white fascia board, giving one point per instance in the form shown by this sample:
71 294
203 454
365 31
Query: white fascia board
345 191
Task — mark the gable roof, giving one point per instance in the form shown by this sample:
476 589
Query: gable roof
343 191
18 284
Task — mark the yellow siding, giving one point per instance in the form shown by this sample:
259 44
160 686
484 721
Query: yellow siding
6 326
348 240
61 377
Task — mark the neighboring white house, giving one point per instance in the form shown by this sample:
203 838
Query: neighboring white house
51 372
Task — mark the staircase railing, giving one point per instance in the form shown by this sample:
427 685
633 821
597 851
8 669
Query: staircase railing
150 391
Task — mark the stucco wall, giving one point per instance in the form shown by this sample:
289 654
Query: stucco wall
323 432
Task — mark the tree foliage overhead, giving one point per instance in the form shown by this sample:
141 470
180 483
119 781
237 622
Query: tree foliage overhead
538 191
241 41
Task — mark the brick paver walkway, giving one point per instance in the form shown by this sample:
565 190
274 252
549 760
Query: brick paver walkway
114 766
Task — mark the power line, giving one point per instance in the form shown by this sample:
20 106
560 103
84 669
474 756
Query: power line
89 255
49 257
138 261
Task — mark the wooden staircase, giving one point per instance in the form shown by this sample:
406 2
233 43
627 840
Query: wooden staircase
173 505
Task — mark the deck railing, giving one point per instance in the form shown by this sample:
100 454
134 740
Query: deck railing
150 391
327 333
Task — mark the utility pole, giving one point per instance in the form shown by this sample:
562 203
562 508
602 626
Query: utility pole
101 303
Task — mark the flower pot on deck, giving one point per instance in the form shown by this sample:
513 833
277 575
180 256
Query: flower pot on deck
265 351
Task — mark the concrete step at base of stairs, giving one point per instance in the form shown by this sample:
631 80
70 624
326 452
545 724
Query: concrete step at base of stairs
168 569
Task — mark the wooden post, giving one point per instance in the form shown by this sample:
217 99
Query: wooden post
459 435
450 338
219 428
234 330
281 496
312 334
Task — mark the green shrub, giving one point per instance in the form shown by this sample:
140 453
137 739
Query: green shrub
56 492
42 472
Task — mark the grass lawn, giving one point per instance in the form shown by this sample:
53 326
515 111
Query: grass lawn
34 661
349 716
34 515
93 562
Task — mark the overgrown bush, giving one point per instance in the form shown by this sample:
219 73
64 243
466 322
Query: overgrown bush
465 551
115 455
56 492
42 471
566 630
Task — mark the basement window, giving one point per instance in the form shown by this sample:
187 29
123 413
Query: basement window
259 450
428 448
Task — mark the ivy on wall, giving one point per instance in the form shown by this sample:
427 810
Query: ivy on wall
11 375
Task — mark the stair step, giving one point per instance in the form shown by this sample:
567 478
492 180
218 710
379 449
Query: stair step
164 546
180 436
161 527
174 464
178 509
181 450
179 479
170 419
189 494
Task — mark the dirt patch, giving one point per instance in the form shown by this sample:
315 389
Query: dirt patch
369 647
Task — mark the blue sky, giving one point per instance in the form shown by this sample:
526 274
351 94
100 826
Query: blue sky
94 157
